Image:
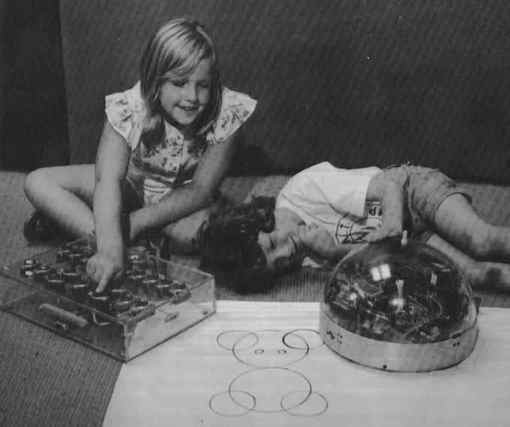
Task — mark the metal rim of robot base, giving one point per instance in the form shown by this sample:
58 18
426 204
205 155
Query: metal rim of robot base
402 357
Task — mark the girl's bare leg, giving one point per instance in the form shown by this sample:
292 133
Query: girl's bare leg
481 274
457 222
64 193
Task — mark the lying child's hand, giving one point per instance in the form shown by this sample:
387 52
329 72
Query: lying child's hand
384 231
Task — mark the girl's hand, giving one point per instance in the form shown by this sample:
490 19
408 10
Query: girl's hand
103 267
318 240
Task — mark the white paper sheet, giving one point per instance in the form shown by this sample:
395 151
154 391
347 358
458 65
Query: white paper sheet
263 364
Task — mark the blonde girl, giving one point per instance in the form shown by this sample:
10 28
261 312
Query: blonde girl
166 145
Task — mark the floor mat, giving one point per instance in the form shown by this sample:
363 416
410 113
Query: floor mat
48 380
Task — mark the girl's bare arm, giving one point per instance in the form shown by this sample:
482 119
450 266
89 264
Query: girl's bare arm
191 197
111 165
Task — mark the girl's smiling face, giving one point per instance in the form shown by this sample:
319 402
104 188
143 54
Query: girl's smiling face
184 98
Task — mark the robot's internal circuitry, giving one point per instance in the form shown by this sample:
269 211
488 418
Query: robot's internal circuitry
400 294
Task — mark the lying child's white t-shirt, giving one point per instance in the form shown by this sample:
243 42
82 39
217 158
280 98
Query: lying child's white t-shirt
333 198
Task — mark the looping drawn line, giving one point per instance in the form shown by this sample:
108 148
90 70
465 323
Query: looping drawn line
295 332
320 411
244 343
300 402
215 397
307 386
231 332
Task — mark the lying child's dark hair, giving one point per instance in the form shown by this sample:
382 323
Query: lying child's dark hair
229 241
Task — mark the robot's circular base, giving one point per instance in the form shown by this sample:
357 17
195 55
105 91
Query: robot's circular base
404 357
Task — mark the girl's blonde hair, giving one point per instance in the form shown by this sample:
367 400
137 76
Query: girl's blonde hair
175 50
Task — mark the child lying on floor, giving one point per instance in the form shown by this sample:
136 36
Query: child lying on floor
325 212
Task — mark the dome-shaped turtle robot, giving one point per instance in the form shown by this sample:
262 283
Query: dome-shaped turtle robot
399 305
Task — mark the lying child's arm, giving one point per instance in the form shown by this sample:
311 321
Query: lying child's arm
317 241
391 196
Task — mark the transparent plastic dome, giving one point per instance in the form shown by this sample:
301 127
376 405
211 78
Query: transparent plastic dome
398 293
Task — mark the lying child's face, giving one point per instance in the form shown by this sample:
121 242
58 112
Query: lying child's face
283 246
282 249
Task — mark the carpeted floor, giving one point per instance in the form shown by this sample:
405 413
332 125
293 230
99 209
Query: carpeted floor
47 380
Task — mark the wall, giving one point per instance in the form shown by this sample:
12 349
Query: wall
33 129
357 82
3 70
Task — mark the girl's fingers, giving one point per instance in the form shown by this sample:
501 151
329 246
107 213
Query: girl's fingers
102 284
91 269
104 279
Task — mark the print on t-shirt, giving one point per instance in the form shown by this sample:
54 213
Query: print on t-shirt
349 230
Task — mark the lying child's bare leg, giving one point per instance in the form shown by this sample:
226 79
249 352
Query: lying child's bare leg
64 193
457 222
481 274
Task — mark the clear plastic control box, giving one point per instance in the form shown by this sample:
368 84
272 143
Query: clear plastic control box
156 300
